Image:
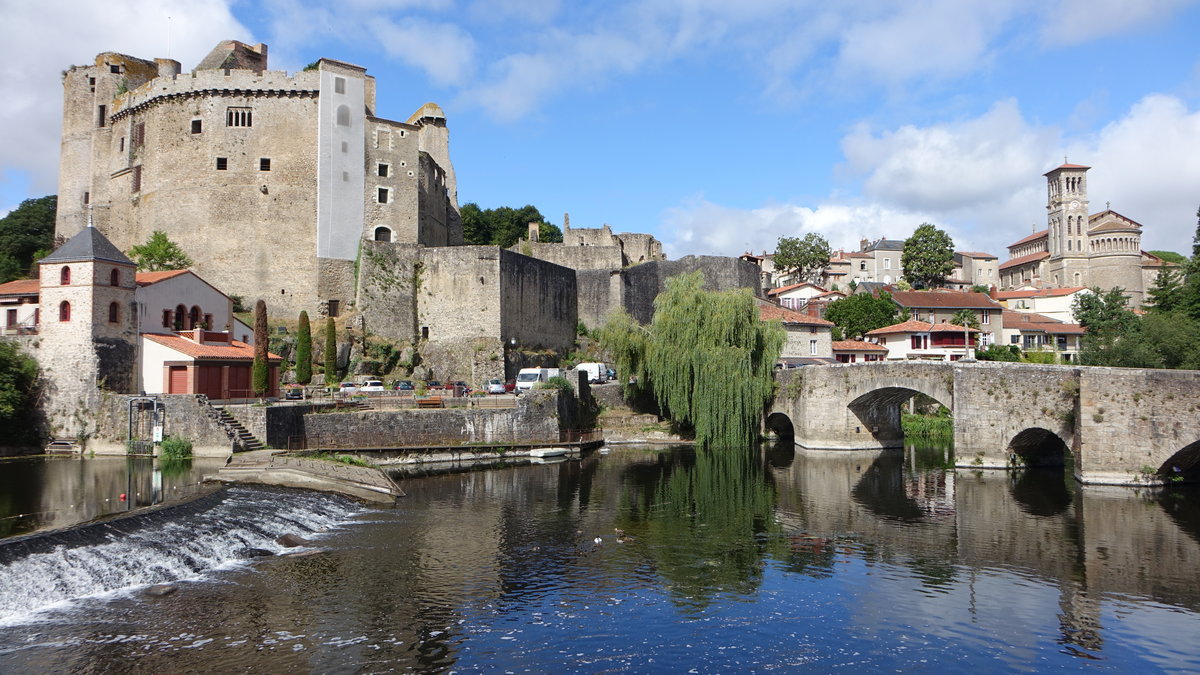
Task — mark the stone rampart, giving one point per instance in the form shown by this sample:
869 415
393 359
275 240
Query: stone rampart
183 416
643 283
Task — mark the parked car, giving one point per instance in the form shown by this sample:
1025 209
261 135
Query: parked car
404 385
433 384
510 386
459 388
349 387
294 394
495 386
372 386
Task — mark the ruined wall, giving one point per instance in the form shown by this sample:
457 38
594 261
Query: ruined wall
598 293
537 302
643 283
639 248
576 257
389 275
438 220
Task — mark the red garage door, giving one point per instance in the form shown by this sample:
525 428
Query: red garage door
177 380
208 381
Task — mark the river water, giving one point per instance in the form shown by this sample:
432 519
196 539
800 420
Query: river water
638 560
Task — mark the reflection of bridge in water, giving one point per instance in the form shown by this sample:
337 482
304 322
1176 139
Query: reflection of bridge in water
1092 543
1121 425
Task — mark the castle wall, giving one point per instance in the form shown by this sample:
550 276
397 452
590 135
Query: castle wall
341 128
643 283
392 148
537 302
639 248
438 219
585 257
598 293
458 312
389 277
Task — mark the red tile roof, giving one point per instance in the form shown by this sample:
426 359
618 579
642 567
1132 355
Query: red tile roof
1032 322
1040 293
857 346
1032 257
975 254
147 278
785 289
21 287
1066 166
944 299
912 326
238 351
1032 237
769 312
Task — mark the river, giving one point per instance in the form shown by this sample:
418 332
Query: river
639 560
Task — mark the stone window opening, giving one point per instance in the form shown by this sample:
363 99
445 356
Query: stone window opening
114 278
64 276
114 312
264 164
87 198
222 163
135 183
114 69
64 311
101 116
239 117
424 332
339 85
383 195
343 116
121 145
177 318
167 316
383 234
197 126
137 137
334 306
384 169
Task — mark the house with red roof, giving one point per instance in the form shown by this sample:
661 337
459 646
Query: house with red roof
1036 332
938 306
925 341
205 362
1055 303
854 351
807 336
19 307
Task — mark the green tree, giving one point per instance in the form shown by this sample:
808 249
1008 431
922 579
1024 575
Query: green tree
1189 293
1166 295
304 350
928 257
159 253
24 233
1108 324
504 226
18 384
805 258
706 357
330 353
856 315
261 369
968 320
1171 256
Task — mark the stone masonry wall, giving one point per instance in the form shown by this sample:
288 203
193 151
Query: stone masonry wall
184 417
644 282
537 302
598 292
576 257
389 275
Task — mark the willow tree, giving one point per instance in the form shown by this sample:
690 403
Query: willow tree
706 357
304 350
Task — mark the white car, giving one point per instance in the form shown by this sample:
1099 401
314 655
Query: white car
372 386
349 387
495 386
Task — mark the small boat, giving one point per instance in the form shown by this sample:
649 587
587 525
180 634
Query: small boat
548 452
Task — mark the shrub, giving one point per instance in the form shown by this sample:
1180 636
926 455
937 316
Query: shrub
557 382
176 448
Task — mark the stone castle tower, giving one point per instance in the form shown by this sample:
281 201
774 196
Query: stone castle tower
268 180
88 332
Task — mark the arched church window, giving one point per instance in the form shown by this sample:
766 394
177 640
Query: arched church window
64 276
383 234
64 311
180 317
114 312
114 278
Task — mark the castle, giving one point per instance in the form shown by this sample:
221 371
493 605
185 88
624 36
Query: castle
269 181
1080 250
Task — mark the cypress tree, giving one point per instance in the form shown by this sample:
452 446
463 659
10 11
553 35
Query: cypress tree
261 370
330 353
304 351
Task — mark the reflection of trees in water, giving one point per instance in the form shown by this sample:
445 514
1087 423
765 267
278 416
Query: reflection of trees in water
701 517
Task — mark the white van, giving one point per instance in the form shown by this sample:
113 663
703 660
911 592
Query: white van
528 377
597 373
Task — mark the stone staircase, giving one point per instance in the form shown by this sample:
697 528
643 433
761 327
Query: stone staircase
237 432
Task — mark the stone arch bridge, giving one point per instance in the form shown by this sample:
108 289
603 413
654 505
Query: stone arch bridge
1122 426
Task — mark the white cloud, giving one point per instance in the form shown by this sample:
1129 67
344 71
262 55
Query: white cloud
1072 22
52 36
444 51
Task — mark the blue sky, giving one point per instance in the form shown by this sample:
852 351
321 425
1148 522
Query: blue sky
716 126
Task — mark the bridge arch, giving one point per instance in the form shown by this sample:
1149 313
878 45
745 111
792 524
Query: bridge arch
781 425
1037 446
1183 466
879 411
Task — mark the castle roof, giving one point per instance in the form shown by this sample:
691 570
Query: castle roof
1017 262
88 245
430 109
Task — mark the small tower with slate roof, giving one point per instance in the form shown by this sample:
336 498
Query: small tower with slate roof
88 334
